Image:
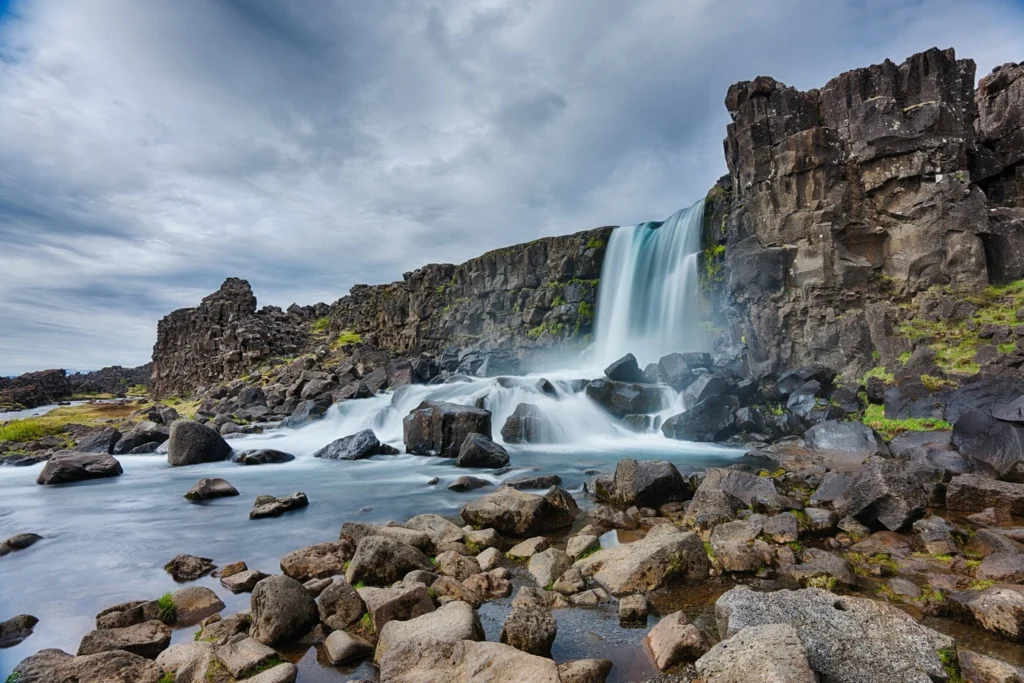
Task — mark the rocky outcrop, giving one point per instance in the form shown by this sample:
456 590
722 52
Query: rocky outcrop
842 202
33 389
115 380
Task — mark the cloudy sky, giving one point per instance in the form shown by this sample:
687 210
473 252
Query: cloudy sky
148 150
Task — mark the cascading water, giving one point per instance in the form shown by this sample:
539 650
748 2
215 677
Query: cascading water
649 300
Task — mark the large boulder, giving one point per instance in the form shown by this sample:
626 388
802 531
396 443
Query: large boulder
207 489
547 566
452 622
625 369
318 561
99 441
516 513
479 451
675 371
114 666
340 605
147 639
648 564
193 604
356 446
674 639
526 424
440 428
713 419
974 493
623 398
847 639
704 387
994 447
66 467
398 603
282 611
845 444
644 483
263 456
380 561
885 492
530 628
192 443
724 492
759 654
419 661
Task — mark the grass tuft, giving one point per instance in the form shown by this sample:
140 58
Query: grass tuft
167 611
874 417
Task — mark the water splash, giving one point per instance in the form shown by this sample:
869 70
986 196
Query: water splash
649 301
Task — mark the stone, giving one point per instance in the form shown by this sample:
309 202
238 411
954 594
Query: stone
581 545
42 667
736 547
589 598
647 564
479 451
991 445
847 444
188 662
243 582
220 632
457 566
884 491
446 589
399 603
380 561
66 467
980 668
269 506
528 548
147 639
99 441
356 531
516 513
454 621
282 611
571 581
305 413
142 434
462 660
625 369
999 609
19 542
489 559
783 528
263 456
438 527
674 639
242 656
847 639
724 492
16 629
623 398
340 605
357 446
193 604
440 428
1002 567
467 483
531 596
207 489
530 629
645 483
490 585
584 671
481 539
759 654
712 419
974 493
527 424
633 610
344 648
548 565
831 493
935 536
542 482
189 567
116 666
192 443
820 521
319 561
282 673
818 564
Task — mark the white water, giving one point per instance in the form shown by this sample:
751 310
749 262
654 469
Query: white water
649 301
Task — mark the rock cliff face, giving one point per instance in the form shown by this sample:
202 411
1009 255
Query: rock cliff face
34 389
843 202
526 297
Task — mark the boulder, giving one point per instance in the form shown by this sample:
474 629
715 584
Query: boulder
147 639
736 546
991 445
542 482
674 639
356 446
188 662
318 561
466 483
16 629
621 398
584 670
979 668
192 443
713 419
999 609
582 545
244 581
66 467
547 566
446 589
771 653
207 489
193 604
675 371
531 629
19 542
440 428
489 559
460 567
340 605
115 666
451 622
244 656
282 611
357 531
399 603
189 567
644 483
304 413
344 648
516 513
935 536
263 456
625 369
1001 567
99 441
380 561
847 639
528 548
526 424
847 444
43 667
821 564
725 491
648 564
479 451
140 435
282 673
418 661
885 492
269 506
974 493
439 528
791 380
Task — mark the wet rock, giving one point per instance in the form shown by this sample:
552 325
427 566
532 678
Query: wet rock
380 561
16 629
452 564
454 621
1003 567
66 467
760 654
399 603
935 536
999 609
356 446
318 561
440 428
992 446
706 386
193 604
713 419
847 639
467 483
645 483
140 435
885 492
903 588
207 489
147 639
674 639
974 493
543 482
621 398
189 567
344 648
19 542
479 451
99 441
340 605
417 661
263 456
307 412
243 656
531 629
516 513
282 611
625 369
192 443
548 565
986 541
584 670
269 506
526 424
243 582
675 371
979 668
665 553
724 492
821 564
114 666
633 610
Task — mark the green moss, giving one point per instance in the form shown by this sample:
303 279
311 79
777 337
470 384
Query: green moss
168 677
14 677
320 325
795 546
982 584
138 390
951 663
884 560
269 664
904 357
1007 348
585 312
881 373
366 623
587 553
166 606
932 383
772 474
874 417
710 552
595 243
558 301
346 337
826 582
359 584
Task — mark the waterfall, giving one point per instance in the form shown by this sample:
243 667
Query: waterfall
649 300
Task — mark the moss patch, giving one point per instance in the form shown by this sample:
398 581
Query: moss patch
874 417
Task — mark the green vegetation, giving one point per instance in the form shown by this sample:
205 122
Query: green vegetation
884 560
587 553
1007 348
346 337
15 677
320 326
168 677
874 417
166 606
951 663
366 623
710 552
982 584
269 664
826 582
558 301
29 429
595 243
795 546
932 383
359 584
137 391
711 272
881 373
551 329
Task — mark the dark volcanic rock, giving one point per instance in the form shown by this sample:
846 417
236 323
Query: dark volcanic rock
192 443
644 483
16 629
140 435
526 424
621 399
264 456
99 441
440 428
207 489
713 419
625 369
991 445
479 451
269 506
885 492
65 467
357 446
515 513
